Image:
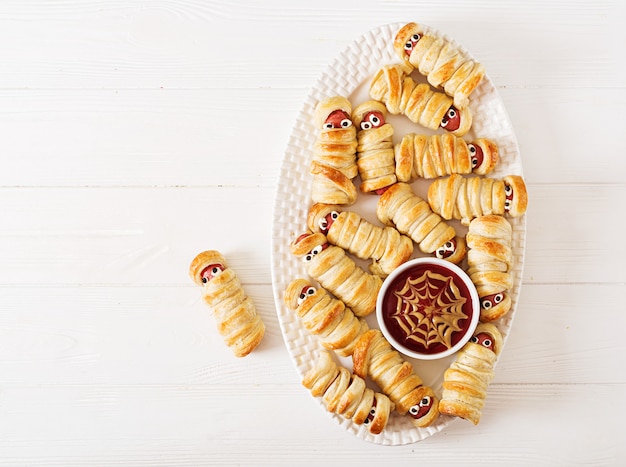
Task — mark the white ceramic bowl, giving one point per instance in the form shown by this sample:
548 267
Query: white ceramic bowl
428 308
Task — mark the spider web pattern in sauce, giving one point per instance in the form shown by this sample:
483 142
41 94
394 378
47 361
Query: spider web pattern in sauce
427 309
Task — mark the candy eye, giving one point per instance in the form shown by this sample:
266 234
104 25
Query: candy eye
415 37
425 402
408 46
508 190
305 294
451 113
334 215
486 343
471 148
323 224
414 410
366 125
346 123
507 205
327 126
474 339
498 298
486 304
374 120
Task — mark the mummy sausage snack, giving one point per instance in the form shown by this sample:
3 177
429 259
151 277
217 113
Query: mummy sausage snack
338 273
323 315
375 157
458 197
346 394
399 206
346 229
443 64
237 319
467 379
424 156
373 356
334 155
431 109
489 258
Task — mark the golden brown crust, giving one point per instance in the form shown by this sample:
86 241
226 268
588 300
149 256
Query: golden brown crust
385 246
520 196
333 165
338 273
489 260
375 158
347 394
323 315
443 64
402 95
464 198
237 319
373 356
468 377
411 215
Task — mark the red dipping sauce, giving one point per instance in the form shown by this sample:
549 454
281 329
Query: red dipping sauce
428 308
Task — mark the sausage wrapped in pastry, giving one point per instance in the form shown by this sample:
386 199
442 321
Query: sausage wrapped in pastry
443 64
393 86
346 394
401 207
424 156
466 381
387 247
337 272
374 357
489 260
375 157
323 315
463 198
334 154
237 319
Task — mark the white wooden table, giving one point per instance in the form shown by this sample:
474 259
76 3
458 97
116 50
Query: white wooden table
136 134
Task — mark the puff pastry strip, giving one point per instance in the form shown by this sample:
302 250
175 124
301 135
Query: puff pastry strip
431 156
463 198
393 86
399 206
337 272
466 381
385 246
346 394
374 357
489 259
375 155
334 154
237 318
324 316
444 65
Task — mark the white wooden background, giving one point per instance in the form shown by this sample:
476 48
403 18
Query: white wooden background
134 134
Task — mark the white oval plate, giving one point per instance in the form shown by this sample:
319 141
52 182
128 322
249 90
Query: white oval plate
349 75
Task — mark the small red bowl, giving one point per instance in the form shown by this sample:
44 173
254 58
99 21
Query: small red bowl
428 308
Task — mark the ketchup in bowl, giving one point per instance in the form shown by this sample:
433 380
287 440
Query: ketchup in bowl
428 308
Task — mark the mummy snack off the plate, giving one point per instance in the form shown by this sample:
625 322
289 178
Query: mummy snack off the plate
374 357
489 258
334 155
387 247
237 319
324 316
338 273
393 86
443 64
346 394
375 157
432 156
467 379
399 206
463 198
